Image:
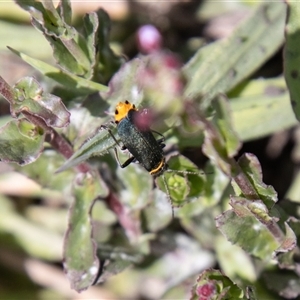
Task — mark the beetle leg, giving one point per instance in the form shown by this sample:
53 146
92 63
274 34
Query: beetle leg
112 135
126 163
161 140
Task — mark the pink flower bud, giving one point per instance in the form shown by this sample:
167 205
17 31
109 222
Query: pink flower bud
149 39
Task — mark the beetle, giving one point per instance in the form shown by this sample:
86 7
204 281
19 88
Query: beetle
139 140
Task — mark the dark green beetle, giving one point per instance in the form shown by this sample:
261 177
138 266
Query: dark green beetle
139 140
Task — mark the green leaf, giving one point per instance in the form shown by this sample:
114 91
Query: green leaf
137 185
43 172
261 108
181 186
292 55
232 257
177 188
202 226
89 42
68 80
109 62
219 67
212 192
21 142
98 144
62 36
125 84
117 253
80 250
29 97
221 142
64 9
84 125
212 284
119 260
250 226
223 119
252 169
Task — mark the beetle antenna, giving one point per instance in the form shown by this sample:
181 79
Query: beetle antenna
168 193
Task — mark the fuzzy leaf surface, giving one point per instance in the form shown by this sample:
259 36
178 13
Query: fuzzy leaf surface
255 106
29 97
21 142
70 81
219 67
63 37
252 169
80 249
250 226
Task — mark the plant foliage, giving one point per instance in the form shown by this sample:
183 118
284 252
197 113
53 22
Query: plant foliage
121 217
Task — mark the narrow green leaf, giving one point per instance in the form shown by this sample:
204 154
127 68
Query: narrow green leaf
21 142
69 80
64 9
98 144
89 41
228 62
109 62
69 56
292 55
